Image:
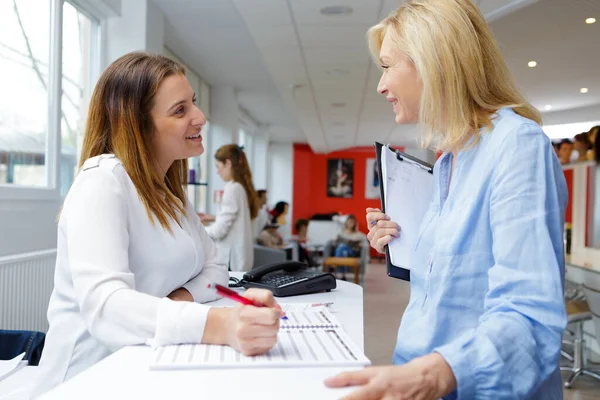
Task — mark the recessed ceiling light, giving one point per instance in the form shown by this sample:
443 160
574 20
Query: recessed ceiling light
590 20
583 90
548 107
532 64
333 11
339 123
338 105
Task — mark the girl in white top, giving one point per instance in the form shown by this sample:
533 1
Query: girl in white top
133 259
233 230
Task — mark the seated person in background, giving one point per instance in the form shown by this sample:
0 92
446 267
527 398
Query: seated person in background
565 149
263 214
304 255
582 146
349 242
269 237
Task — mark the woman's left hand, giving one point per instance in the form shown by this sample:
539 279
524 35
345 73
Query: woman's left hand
424 378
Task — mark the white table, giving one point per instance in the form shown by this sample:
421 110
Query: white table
125 374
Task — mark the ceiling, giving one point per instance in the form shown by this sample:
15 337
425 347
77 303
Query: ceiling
307 77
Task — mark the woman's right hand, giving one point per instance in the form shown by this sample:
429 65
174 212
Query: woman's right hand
253 330
381 229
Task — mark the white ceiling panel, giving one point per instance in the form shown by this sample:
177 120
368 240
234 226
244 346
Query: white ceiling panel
308 12
279 36
333 35
263 12
337 55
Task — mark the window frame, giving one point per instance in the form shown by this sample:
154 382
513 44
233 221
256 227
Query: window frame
51 191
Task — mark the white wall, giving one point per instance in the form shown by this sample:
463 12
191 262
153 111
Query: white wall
27 225
280 181
139 27
259 161
224 127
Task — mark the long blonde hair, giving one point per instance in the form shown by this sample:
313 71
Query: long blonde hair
240 172
119 122
465 79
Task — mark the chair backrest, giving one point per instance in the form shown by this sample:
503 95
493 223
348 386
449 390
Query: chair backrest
592 295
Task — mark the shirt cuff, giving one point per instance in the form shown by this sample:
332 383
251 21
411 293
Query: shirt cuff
179 322
458 356
198 288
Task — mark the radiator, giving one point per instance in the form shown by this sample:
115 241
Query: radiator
26 282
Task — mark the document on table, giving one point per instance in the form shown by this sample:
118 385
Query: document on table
310 337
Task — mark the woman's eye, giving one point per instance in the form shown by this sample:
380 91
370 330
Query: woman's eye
194 100
179 110
385 66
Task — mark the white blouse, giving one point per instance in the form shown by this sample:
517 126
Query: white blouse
114 269
232 229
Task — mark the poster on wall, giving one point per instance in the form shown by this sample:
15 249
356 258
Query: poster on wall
340 178
372 179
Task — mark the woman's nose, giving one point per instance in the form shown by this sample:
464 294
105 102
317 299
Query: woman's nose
381 86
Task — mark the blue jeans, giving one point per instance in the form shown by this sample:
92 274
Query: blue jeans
343 250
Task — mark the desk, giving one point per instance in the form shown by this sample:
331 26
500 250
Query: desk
125 374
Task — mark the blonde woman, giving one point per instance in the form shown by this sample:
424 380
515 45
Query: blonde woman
486 310
133 260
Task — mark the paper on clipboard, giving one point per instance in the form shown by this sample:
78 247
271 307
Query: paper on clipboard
407 190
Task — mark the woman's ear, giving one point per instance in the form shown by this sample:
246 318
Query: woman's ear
228 163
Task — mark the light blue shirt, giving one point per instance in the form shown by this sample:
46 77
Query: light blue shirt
487 278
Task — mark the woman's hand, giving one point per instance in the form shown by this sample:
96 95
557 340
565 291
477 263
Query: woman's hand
381 229
253 330
424 378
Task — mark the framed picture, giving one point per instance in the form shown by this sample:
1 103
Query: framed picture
372 180
340 178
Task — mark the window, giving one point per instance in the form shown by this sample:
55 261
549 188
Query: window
24 71
78 56
29 60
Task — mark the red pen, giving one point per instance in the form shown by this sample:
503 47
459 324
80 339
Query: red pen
233 295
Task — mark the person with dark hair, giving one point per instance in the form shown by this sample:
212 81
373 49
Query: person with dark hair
269 237
595 139
279 212
304 256
232 229
133 260
565 149
582 145
263 215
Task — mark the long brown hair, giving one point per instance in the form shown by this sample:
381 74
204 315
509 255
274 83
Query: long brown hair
119 122
240 172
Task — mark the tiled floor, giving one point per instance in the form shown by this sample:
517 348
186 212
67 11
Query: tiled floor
384 302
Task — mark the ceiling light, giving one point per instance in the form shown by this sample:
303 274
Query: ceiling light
334 11
590 20
338 105
548 107
339 123
583 90
532 64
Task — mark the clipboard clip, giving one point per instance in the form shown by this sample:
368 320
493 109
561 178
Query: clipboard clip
406 157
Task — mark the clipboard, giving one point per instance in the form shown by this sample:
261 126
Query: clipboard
395 271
